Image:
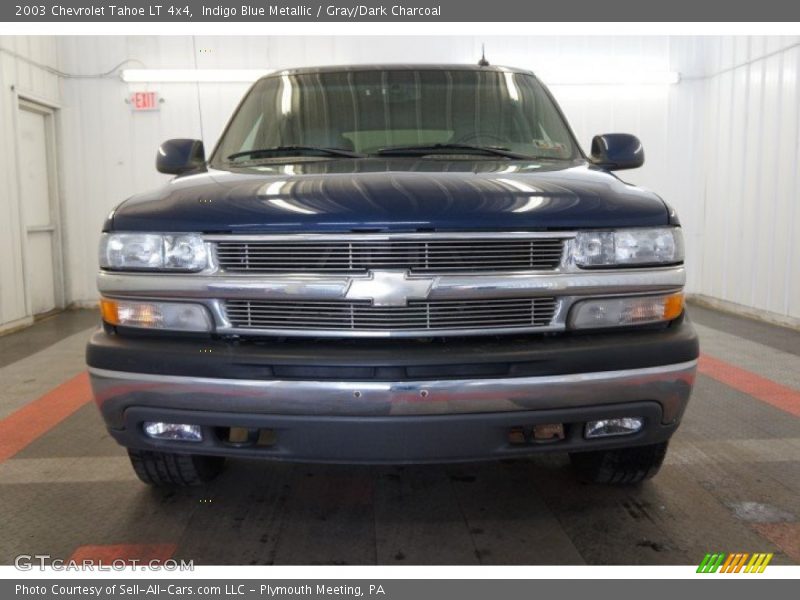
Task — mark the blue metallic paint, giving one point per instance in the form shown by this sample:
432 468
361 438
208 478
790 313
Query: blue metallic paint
396 194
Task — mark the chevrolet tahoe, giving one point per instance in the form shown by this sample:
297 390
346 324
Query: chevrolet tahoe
394 264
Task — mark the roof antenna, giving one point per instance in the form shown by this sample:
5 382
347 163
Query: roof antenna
483 62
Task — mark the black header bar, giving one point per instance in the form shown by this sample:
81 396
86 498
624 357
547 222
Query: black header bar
399 11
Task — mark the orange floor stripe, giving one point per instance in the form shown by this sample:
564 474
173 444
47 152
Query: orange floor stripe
129 553
761 388
23 426
785 536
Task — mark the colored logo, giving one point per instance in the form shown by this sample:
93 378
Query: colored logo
737 562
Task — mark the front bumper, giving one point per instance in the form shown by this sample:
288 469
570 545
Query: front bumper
395 439
394 401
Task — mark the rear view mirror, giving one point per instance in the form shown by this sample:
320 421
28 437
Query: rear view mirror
617 151
179 156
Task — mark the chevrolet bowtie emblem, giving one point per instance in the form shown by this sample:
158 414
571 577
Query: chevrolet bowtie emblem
389 288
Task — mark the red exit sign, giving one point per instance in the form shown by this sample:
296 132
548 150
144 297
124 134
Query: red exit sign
144 101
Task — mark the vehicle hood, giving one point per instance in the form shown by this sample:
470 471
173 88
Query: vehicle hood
392 195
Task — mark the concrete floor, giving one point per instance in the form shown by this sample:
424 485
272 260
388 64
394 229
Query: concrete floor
731 482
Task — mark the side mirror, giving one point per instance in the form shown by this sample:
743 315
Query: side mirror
616 151
179 156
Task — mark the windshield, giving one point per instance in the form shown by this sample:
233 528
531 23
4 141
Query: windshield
372 111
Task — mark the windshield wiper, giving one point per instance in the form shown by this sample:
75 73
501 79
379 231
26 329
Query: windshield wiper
422 150
295 150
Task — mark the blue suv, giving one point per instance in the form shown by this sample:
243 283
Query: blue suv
394 264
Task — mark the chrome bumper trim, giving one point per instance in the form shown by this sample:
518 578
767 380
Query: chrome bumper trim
380 237
567 286
444 287
669 385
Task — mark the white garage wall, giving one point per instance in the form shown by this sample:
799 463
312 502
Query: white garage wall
751 246
32 78
114 149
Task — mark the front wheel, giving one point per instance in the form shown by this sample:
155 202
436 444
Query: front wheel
176 470
621 466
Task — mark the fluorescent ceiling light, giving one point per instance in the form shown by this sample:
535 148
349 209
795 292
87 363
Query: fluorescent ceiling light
551 76
608 77
192 75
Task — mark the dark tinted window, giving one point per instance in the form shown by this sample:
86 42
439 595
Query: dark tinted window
364 111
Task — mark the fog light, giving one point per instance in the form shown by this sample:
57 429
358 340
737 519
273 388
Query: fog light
612 427
173 431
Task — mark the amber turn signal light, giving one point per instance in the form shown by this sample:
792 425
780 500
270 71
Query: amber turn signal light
673 306
625 311
173 316
109 312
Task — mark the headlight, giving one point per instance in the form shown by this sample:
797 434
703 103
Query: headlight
153 252
174 316
631 310
653 246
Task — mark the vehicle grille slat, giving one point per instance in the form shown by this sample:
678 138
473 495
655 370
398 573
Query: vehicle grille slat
378 311
437 255
361 245
425 316
372 251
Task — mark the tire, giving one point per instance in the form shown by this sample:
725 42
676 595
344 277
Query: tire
174 470
621 466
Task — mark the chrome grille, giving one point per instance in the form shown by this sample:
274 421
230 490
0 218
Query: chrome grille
427 316
431 254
